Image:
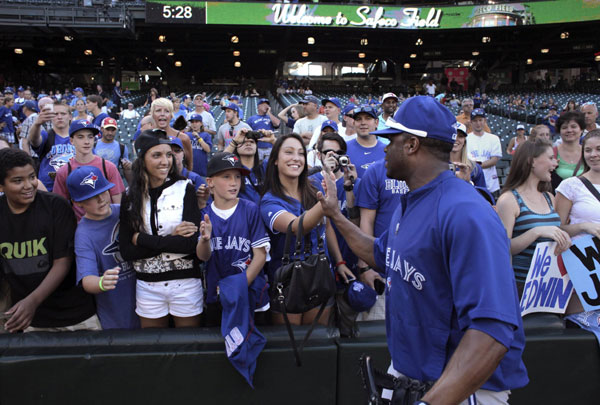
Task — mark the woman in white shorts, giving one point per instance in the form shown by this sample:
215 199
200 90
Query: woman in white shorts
160 228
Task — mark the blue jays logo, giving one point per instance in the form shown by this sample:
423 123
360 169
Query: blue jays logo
455 126
113 247
243 263
231 159
89 180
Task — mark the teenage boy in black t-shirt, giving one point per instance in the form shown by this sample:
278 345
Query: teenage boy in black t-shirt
36 253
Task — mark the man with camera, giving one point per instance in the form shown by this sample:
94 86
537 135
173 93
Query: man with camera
264 120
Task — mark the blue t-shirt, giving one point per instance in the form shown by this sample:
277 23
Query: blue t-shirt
257 122
231 243
378 192
200 156
448 269
347 254
97 250
251 185
98 119
7 117
58 156
111 152
197 181
363 157
270 208
74 100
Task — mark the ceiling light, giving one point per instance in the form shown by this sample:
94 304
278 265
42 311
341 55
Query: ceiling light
530 61
236 53
419 42
364 41
18 51
235 39
177 63
68 38
466 63
475 53
237 64
41 62
413 55
162 38
361 55
486 40
310 40
597 58
87 52
564 35
407 66
360 65
171 54
544 50
305 54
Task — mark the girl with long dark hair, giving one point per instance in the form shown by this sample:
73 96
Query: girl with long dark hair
526 206
160 232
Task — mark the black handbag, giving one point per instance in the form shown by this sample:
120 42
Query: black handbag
303 282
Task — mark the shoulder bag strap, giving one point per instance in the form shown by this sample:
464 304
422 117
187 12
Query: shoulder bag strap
286 248
299 235
590 187
577 167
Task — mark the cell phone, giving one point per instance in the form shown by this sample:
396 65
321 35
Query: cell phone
452 167
49 107
351 279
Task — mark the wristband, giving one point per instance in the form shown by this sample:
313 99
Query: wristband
100 284
349 187
234 143
338 264
361 270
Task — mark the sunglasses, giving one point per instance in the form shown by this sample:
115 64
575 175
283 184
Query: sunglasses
336 152
368 110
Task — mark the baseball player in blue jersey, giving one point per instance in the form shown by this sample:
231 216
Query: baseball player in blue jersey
452 314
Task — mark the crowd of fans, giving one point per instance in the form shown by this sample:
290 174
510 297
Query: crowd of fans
73 259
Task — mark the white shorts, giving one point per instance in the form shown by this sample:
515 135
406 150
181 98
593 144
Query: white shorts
181 298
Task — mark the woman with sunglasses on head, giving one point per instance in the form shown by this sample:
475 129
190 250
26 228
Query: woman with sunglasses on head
161 111
288 195
160 233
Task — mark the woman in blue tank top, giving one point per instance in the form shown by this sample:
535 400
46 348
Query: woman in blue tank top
526 207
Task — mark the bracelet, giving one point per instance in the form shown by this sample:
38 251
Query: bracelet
234 143
361 270
100 284
338 264
349 187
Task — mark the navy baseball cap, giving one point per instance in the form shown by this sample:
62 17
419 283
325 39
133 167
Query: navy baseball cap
333 100
263 100
360 296
347 110
310 99
232 106
31 105
367 109
422 116
86 182
225 161
176 141
329 123
78 125
478 112
78 89
553 107
195 117
150 138
9 90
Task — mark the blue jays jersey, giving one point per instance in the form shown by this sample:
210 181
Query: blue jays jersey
231 243
448 269
363 157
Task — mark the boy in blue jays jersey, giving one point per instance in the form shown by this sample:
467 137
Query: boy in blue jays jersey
100 267
239 240
201 144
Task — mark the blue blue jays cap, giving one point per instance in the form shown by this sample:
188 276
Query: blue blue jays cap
225 161
333 100
86 182
78 89
360 296
367 109
20 88
195 117
478 112
176 141
233 106
186 97
329 123
263 100
234 98
31 105
78 125
310 99
347 110
422 116
9 90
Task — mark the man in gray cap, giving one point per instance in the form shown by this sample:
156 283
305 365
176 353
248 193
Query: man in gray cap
305 127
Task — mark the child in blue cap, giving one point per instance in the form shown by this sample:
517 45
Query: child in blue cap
100 267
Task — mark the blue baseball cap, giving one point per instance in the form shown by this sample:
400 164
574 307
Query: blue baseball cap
263 100
360 296
86 182
347 110
41 95
422 116
176 141
20 88
478 112
234 98
186 97
78 89
329 123
310 99
195 117
233 106
553 107
78 125
9 90
31 105
367 109
333 100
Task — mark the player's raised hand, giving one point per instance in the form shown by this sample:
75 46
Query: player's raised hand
205 228
329 201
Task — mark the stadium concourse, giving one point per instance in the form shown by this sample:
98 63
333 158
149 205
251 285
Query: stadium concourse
153 153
